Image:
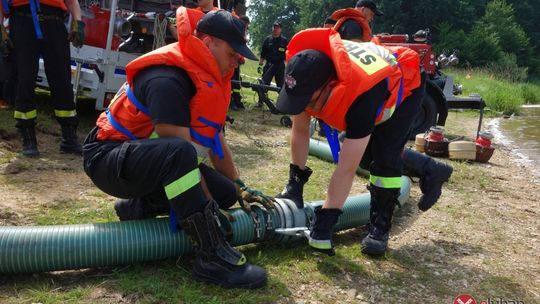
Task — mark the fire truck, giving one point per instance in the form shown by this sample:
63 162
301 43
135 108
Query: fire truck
116 32
442 93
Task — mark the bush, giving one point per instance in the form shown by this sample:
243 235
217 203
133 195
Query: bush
507 69
531 93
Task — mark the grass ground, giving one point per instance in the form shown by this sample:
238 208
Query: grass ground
480 239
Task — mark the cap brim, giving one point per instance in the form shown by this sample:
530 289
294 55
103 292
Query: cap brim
243 50
291 104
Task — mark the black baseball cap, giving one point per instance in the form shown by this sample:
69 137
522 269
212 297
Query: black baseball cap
221 24
371 5
277 23
306 72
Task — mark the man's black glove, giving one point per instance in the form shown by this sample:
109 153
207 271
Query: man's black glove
294 190
76 35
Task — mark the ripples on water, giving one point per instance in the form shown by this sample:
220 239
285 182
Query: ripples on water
523 134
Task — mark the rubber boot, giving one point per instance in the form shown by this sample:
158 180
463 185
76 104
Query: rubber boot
69 143
29 145
432 176
217 262
138 209
382 205
294 190
320 237
236 102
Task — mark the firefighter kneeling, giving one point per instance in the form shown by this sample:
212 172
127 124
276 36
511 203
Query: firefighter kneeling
147 147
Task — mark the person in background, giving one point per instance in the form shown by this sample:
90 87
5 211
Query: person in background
273 53
329 22
354 23
38 30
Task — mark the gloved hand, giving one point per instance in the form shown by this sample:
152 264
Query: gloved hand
76 35
247 195
5 43
260 69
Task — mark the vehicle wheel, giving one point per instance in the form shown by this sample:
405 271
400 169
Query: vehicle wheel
426 118
286 121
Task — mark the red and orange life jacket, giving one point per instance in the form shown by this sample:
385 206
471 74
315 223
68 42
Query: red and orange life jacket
54 3
208 108
359 66
345 14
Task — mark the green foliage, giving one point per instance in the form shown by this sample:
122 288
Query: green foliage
500 21
265 13
313 13
507 68
481 47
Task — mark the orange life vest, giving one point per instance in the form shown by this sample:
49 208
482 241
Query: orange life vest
54 3
357 67
208 108
345 14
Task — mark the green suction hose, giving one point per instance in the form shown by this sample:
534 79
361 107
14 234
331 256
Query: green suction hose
48 248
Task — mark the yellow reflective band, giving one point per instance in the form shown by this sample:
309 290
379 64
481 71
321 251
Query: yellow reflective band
365 58
154 135
28 115
200 159
64 113
236 90
183 184
320 244
385 182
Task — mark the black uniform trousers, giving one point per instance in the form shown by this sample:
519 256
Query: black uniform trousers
383 153
143 168
55 50
274 70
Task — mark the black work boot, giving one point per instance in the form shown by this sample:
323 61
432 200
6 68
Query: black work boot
138 209
432 175
294 190
69 142
29 144
382 204
217 262
320 237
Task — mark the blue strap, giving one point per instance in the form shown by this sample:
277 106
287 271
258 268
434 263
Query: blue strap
400 91
34 7
117 126
209 123
332 136
173 223
135 101
213 144
381 107
6 4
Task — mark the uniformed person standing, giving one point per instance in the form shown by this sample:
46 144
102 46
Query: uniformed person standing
37 29
273 52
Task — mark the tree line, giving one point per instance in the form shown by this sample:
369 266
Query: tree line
502 35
